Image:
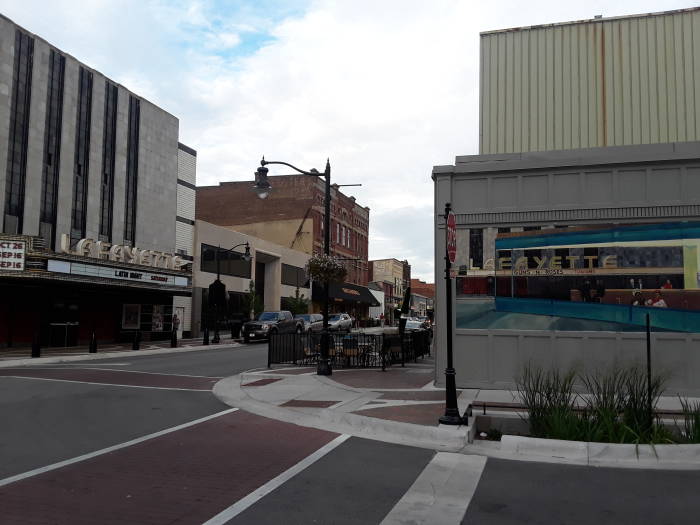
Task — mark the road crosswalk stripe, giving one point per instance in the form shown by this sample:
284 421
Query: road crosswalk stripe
441 493
242 504
100 452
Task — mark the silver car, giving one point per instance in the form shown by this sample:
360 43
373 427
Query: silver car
312 322
338 322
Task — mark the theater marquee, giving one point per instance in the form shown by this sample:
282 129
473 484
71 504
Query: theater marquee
12 255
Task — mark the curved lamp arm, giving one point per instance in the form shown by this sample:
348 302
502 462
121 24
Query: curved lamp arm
246 255
314 171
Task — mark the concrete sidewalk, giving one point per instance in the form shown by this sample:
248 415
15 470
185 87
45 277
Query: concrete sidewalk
402 405
20 356
399 405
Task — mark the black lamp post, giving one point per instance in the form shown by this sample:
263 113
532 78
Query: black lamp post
262 188
219 286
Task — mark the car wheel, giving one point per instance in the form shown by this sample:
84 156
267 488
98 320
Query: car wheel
246 340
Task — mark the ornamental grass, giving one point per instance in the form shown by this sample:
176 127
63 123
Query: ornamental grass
614 411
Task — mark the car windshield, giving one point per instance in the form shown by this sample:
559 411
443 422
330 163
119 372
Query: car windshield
305 317
412 324
268 316
334 318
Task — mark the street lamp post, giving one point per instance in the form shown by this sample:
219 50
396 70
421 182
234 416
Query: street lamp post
262 188
246 257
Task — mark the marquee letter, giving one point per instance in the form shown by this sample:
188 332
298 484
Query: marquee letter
590 259
610 261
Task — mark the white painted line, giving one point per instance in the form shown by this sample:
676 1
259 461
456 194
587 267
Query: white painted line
110 384
107 450
442 492
242 504
83 367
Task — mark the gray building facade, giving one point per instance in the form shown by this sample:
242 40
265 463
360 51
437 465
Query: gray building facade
585 187
582 124
88 169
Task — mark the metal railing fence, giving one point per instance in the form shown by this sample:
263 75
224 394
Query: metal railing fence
348 350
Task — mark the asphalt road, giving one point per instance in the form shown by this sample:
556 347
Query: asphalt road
517 492
162 449
180 473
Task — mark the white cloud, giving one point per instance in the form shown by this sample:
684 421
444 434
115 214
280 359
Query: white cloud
385 89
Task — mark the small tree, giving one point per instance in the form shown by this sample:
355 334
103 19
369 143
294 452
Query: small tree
298 304
252 301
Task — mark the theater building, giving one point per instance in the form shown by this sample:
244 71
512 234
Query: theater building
89 202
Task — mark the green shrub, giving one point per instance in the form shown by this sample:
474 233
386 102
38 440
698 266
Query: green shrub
549 398
691 421
615 411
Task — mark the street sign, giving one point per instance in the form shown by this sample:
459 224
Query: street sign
451 237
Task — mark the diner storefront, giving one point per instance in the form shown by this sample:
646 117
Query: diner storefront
348 298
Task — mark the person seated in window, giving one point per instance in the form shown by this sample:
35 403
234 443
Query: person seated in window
658 301
667 285
637 299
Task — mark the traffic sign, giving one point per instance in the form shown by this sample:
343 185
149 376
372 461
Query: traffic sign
451 237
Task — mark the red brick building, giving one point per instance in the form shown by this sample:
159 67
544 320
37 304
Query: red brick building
292 215
422 288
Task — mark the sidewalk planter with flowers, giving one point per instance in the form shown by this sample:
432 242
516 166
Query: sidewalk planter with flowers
326 269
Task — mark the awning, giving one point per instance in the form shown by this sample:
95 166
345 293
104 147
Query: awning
346 292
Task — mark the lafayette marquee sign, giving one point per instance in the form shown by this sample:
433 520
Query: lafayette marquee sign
106 272
122 253
557 262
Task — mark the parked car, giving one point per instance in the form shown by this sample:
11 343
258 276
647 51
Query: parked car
312 322
413 324
339 322
280 322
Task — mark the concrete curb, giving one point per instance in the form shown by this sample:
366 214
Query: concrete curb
229 391
667 457
11 363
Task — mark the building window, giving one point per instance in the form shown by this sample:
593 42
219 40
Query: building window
109 142
230 262
82 154
476 247
294 276
132 169
18 133
504 230
52 147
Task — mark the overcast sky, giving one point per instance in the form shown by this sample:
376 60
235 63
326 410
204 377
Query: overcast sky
385 88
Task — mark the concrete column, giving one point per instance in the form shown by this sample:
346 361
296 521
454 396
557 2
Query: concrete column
273 285
35 149
65 177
